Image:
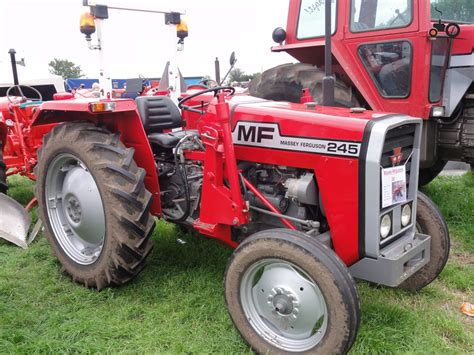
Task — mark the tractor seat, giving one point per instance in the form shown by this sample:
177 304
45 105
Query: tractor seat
159 113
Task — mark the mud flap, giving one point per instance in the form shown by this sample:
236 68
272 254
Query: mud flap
14 221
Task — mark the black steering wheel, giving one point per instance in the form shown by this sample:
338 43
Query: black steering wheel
22 95
229 89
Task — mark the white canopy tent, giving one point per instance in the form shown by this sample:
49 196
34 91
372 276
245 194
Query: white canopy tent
28 77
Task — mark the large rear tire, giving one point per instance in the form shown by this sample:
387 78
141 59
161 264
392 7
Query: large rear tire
286 82
430 221
3 172
428 174
94 204
286 292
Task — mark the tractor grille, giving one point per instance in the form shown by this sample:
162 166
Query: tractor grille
399 137
400 133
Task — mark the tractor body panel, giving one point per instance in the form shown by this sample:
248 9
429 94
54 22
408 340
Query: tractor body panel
343 150
287 134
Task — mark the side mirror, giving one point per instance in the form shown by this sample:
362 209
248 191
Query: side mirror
232 62
279 35
232 59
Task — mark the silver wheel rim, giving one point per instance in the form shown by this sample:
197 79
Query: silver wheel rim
284 305
75 209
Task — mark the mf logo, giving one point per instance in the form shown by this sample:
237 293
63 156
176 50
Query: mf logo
254 134
397 156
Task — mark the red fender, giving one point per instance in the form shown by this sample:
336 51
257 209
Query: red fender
124 119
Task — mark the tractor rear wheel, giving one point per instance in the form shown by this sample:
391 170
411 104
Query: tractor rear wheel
286 292
94 204
286 82
428 174
430 221
3 172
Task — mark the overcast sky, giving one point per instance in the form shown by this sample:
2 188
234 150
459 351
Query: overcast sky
137 42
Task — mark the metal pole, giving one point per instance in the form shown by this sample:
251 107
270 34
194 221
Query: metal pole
12 53
105 81
328 80
173 71
145 10
217 66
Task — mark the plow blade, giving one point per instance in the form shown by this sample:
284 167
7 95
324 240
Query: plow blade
14 221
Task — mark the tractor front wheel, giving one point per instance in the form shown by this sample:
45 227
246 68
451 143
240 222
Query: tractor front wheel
3 172
93 200
286 292
430 221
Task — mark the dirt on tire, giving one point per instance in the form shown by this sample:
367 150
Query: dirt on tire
286 82
129 224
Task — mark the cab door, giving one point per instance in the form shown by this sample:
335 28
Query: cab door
383 41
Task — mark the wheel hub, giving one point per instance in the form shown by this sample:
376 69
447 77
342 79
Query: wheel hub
74 210
283 302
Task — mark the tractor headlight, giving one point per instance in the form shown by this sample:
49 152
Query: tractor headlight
406 215
385 226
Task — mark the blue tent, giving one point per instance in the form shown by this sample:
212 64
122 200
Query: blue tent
119 83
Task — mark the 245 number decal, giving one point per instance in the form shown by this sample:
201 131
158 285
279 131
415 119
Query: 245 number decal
343 148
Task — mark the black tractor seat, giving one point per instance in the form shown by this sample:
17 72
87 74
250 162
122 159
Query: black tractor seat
159 113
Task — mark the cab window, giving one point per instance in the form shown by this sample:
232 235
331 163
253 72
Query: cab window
311 19
390 65
371 15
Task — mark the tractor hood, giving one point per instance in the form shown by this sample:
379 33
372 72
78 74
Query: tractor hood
257 122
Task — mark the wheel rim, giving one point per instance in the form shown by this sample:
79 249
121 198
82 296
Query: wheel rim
75 209
284 305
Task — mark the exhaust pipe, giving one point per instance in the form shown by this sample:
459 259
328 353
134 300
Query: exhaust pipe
328 80
14 221
12 53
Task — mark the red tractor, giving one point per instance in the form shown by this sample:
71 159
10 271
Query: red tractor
303 192
389 55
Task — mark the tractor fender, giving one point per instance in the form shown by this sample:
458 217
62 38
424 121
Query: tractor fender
123 118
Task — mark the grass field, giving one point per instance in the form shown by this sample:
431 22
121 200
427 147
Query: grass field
176 305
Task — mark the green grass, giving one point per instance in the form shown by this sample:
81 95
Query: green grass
176 304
